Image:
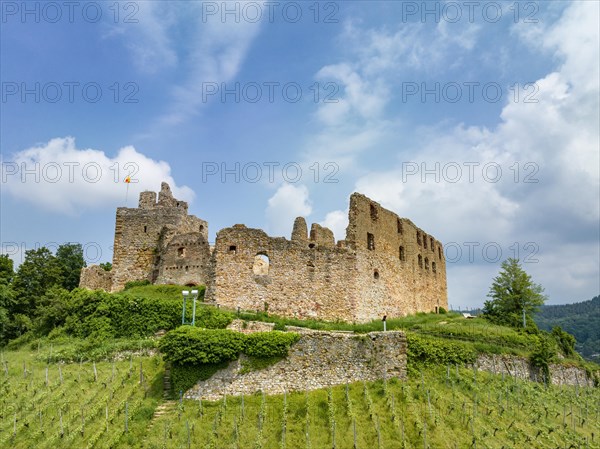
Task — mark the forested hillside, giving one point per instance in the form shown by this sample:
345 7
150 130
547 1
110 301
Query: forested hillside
582 319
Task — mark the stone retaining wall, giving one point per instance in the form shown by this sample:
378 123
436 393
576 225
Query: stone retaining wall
520 368
318 360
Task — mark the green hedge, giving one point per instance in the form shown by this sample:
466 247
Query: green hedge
424 350
105 315
100 315
196 354
269 344
189 345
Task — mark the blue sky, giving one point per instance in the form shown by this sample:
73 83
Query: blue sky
478 121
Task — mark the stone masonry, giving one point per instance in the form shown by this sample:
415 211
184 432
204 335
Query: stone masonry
385 266
318 360
157 241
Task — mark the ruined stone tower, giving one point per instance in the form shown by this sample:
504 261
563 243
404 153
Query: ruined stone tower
385 266
157 241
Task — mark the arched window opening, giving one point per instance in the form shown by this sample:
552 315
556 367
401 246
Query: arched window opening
232 249
400 227
420 260
427 263
425 241
181 252
433 267
419 238
261 264
431 244
402 255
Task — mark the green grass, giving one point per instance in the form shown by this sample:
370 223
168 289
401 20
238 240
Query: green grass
432 410
443 412
161 291
32 408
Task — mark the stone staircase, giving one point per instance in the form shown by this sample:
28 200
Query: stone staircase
166 407
167 381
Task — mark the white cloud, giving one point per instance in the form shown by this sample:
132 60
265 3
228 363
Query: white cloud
178 36
337 221
558 135
60 177
288 202
148 38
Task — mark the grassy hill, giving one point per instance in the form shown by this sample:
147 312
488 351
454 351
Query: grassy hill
106 404
96 382
580 319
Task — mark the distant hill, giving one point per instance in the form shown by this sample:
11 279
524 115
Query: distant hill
582 319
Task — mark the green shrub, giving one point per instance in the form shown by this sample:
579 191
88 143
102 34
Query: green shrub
184 377
544 354
269 344
212 318
432 351
139 283
566 342
442 310
193 346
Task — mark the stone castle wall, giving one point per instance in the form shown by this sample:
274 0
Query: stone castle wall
96 278
385 266
400 268
303 278
317 360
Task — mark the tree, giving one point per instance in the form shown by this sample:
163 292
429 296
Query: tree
513 295
70 260
39 271
106 266
6 269
7 295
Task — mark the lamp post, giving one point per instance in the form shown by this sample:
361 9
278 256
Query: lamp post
195 296
185 294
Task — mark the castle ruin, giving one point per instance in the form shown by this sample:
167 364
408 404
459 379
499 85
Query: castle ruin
385 266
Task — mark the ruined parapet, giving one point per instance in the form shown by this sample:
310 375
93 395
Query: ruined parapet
300 230
147 200
95 278
166 199
321 236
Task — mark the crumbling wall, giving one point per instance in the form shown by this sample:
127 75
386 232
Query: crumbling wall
142 238
521 368
95 278
400 268
184 260
306 279
317 360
